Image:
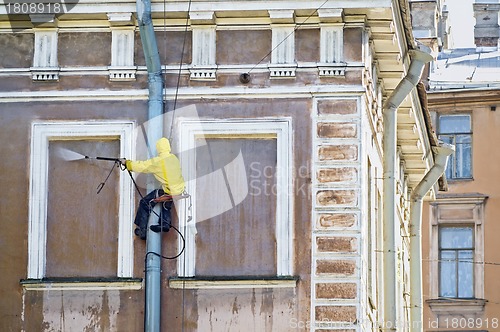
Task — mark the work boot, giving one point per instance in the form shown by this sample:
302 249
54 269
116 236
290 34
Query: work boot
141 233
165 227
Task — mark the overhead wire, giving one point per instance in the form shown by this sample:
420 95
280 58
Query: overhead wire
186 25
171 130
461 261
298 26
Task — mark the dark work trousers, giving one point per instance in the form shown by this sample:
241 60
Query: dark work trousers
146 207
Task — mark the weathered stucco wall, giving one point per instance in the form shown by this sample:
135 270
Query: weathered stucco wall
36 310
337 203
269 309
17 50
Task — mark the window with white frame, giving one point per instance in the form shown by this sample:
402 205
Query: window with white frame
456 261
456 129
238 174
457 247
73 232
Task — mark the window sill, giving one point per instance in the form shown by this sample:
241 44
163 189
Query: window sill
449 306
82 284
225 283
458 180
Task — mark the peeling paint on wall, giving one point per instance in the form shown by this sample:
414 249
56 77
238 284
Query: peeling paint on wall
246 310
86 311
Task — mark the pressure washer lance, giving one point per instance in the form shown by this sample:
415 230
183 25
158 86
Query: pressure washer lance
118 163
118 160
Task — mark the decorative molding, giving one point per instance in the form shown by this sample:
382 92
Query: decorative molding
282 16
83 285
200 283
464 308
330 70
294 92
204 46
48 20
45 67
282 71
45 74
122 73
41 134
331 43
283 55
203 73
122 55
120 19
202 17
332 50
331 15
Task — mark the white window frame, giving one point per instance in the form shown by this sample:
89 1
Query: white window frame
476 206
455 260
41 134
453 158
190 129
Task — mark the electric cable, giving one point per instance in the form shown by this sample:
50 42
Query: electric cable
290 34
103 183
170 134
460 261
161 220
186 25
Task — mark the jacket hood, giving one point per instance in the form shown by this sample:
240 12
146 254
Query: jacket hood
163 146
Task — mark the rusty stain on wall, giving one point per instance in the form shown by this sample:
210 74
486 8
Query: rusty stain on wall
342 220
265 310
86 311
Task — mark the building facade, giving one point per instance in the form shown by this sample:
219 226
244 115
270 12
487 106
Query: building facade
460 260
277 116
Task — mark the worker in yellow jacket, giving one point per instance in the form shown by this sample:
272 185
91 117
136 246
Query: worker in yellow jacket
166 169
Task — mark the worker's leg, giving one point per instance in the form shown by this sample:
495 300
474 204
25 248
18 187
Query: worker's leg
143 211
166 219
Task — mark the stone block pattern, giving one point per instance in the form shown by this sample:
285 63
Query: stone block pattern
336 204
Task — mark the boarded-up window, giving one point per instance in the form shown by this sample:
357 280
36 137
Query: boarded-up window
241 240
238 173
82 226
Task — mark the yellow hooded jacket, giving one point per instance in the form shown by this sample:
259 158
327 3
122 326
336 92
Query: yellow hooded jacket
166 168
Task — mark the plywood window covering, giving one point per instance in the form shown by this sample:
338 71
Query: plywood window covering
72 231
238 174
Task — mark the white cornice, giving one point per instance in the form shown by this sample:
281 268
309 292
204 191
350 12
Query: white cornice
241 6
183 93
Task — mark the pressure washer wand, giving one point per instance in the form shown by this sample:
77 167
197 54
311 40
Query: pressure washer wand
103 158
108 159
